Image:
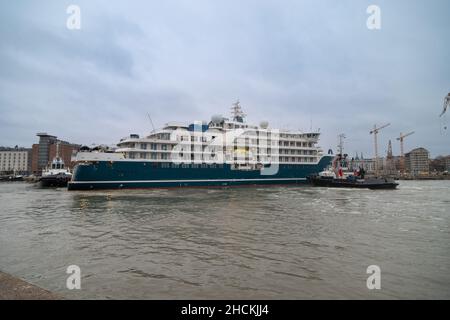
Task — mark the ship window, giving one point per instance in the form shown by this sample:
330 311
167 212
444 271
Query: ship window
143 146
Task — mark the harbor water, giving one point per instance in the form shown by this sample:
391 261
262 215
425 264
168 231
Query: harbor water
233 243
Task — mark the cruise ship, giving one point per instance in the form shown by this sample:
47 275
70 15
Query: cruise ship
222 152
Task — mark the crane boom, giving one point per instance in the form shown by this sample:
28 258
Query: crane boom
375 132
404 135
402 155
376 129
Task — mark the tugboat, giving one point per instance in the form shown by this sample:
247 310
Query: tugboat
56 175
340 177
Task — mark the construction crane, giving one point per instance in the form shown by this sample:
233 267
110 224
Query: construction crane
375 133
402 155
444 109
446 104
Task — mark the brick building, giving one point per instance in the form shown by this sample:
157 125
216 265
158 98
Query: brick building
45 150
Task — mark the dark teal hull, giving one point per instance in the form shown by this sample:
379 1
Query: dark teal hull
144 174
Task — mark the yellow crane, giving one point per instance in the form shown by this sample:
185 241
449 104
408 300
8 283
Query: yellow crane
402 155
375 132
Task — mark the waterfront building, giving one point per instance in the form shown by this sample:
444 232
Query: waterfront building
417 161
15 160
45 150
389 163
359 162
440 164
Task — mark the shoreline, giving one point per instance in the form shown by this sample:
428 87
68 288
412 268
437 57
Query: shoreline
13 288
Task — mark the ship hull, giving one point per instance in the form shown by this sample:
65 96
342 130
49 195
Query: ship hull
374 184
145 174
54 181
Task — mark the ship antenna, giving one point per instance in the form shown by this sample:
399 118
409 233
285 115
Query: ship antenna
236 111
341 138
151 122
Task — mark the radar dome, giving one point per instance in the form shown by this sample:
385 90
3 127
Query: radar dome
264 124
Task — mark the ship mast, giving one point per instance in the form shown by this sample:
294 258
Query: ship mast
57 150
341 143
237 113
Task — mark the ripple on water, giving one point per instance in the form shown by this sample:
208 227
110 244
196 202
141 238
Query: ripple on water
289 242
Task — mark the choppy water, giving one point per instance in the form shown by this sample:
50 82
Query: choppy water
241 243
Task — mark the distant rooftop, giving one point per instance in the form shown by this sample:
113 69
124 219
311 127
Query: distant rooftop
14 148
45 134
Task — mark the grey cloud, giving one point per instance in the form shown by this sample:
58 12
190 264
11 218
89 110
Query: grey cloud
289 62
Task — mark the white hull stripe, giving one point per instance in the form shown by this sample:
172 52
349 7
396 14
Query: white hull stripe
193 180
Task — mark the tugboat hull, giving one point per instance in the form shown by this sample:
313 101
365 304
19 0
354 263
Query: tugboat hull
54 181
344 183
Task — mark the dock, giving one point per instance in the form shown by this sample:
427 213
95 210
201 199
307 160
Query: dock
12 288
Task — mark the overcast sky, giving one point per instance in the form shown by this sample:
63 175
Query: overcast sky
293 63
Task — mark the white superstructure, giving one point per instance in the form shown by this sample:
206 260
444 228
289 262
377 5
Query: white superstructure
223 141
